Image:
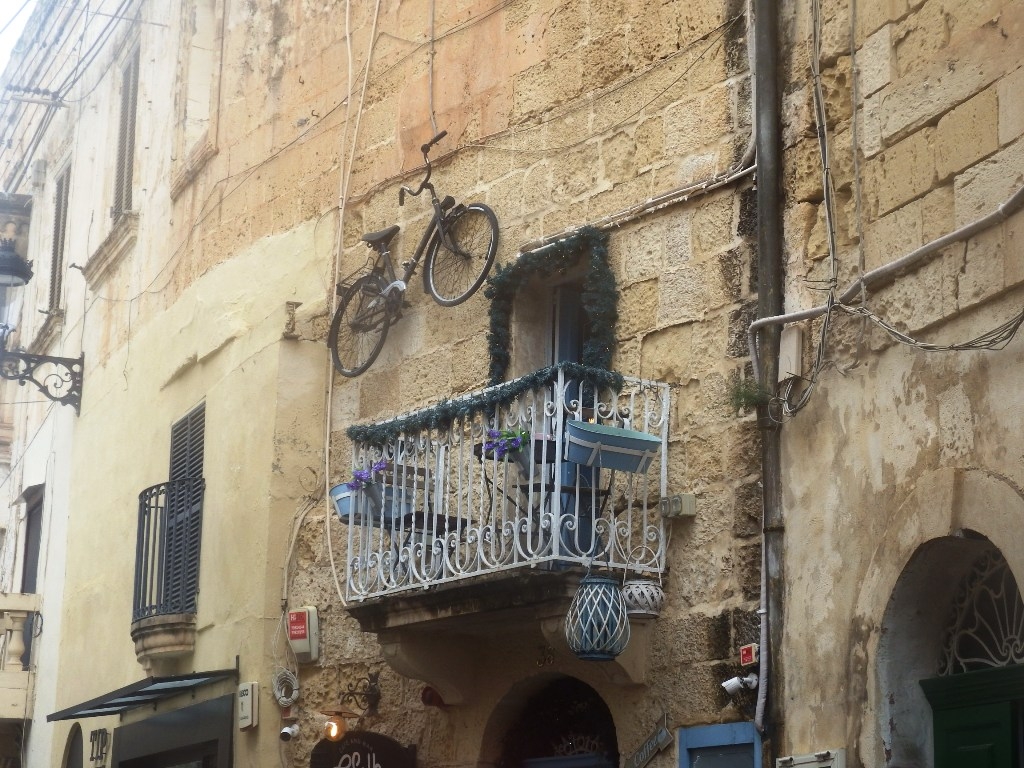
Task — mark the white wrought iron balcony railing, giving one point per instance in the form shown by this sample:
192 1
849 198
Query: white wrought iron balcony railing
483 483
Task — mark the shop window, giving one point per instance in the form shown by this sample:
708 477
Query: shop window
730 745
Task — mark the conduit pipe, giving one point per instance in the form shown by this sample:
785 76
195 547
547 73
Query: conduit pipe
767 121
875 276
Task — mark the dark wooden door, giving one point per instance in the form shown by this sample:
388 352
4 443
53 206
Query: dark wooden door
975 737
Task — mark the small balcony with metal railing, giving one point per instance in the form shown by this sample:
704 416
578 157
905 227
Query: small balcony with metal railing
494 498
167 569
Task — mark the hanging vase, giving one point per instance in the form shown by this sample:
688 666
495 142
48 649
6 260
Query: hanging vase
596 625
644 599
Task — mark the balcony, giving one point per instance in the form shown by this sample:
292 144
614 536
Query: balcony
167 570
16 680
451 507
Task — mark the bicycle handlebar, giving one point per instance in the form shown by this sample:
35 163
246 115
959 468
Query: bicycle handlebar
425 149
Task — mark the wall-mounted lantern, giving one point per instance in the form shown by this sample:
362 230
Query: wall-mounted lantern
58 378
364 693
14 270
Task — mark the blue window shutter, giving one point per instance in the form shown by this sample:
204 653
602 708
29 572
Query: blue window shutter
741 743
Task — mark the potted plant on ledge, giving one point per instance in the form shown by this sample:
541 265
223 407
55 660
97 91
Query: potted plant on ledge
509 443
380 502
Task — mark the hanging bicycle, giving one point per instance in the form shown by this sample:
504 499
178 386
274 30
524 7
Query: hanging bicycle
460 242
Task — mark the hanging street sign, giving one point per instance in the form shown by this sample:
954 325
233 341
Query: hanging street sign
656 742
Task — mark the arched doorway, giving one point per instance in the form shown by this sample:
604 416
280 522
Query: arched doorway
951 658
977 700
563 724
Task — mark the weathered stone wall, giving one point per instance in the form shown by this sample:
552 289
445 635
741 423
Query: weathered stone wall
935 126
559 115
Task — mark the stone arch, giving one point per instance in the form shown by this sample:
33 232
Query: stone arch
74 748
536 704
927 547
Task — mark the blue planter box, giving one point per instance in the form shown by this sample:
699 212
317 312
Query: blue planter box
598 445
372 505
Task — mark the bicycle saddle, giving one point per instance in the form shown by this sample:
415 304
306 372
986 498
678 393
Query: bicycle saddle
382 238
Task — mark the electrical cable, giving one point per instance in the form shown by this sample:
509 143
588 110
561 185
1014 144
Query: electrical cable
285 684
17 13
795 393
994 339
430 83
791 401
93 51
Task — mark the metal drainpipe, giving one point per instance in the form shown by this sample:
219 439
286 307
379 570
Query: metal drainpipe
769 303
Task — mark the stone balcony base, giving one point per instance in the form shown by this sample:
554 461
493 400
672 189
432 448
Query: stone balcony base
164 637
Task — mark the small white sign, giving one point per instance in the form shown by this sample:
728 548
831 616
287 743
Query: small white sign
248 705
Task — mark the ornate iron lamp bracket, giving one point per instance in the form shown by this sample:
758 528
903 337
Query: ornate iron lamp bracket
363 693
58 378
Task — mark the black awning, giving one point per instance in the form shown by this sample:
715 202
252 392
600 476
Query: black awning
148 691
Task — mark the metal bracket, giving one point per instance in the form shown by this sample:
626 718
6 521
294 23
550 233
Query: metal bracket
58 378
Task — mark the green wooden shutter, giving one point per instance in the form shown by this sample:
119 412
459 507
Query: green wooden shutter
975 737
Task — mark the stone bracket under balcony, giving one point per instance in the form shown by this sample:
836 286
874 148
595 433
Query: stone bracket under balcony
162 637
442 635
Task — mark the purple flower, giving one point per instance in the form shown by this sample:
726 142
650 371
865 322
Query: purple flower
363 477
504 442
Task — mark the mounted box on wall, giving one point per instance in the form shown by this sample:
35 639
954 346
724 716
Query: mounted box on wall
304 634
248 705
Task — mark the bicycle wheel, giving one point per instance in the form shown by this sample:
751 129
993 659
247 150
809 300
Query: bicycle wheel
452 274
360 326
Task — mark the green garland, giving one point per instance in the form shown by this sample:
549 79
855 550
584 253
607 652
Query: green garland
600 300
600 297
445 413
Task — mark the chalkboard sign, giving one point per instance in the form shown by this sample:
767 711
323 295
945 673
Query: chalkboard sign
362 749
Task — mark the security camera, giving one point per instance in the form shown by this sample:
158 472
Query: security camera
736 684
289 732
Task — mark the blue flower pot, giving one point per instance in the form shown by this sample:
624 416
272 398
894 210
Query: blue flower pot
373 504
598 445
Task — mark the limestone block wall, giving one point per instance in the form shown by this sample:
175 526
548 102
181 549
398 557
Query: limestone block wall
925 137
558 114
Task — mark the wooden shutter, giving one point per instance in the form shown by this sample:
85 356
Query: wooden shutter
126 136
60 224
187 438
185 508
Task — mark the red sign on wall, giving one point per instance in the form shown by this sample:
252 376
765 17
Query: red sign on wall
298 626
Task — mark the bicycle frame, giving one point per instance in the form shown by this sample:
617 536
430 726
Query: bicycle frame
434 229
459 243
